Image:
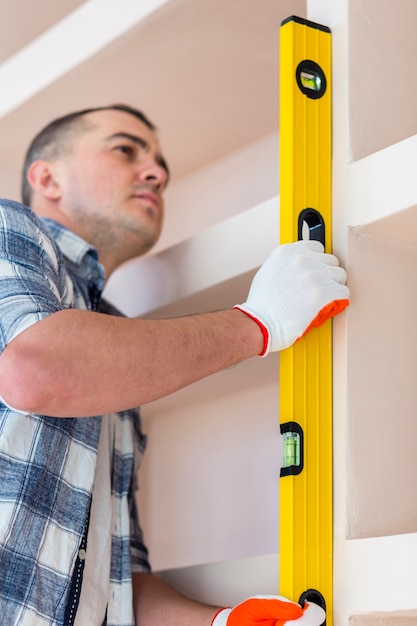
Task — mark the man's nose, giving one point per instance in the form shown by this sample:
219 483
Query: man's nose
154 173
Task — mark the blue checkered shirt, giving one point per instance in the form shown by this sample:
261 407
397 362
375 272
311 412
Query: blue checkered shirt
47 464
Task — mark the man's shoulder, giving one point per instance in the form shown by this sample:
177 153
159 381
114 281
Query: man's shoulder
23 234
15 207
18 216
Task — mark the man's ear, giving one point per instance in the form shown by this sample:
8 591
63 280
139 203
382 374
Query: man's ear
42 178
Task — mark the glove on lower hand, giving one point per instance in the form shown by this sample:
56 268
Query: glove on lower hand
297 288
270 611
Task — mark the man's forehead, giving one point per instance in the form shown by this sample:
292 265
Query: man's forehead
109 122
107 117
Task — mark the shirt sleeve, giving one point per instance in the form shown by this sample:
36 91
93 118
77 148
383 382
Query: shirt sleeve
31 284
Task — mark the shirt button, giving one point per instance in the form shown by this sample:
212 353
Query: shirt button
82 554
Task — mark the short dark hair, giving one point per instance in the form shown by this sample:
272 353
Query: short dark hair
54 140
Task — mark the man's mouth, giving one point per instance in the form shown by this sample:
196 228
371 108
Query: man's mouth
148 197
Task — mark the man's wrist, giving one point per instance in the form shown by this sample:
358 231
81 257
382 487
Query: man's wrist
266 337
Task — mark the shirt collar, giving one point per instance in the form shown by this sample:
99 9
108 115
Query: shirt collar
79 252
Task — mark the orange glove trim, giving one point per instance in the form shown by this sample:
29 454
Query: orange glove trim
267 612
329 311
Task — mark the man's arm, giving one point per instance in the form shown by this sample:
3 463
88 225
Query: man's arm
156 603
79 363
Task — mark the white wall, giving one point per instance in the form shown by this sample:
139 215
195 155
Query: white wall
210 476
369 574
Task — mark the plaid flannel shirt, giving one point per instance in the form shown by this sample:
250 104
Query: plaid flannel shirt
47 464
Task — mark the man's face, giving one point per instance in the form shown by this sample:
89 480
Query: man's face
112 182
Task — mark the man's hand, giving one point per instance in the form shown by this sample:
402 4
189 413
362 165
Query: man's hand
297 288
270 611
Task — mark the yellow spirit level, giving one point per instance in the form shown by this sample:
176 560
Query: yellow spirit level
306 499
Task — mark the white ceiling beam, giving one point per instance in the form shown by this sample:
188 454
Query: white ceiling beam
78 36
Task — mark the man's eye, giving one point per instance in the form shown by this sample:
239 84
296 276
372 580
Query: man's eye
128 150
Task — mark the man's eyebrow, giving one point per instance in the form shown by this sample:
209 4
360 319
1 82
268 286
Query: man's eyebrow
135 138
143 144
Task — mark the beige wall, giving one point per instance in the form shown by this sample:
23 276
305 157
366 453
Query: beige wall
382 366
382 86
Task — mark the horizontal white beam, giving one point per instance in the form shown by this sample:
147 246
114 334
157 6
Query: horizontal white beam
78 36
383 183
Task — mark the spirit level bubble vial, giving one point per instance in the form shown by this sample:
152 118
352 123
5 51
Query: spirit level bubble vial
306 500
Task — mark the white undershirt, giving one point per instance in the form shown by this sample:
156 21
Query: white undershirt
96 577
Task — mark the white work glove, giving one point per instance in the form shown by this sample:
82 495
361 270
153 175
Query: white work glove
297 288
270 611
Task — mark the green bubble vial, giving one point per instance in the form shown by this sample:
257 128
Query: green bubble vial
310 80
291 449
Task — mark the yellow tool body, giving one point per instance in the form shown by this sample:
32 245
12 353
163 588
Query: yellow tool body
306 490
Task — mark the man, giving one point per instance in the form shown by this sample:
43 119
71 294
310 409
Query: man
71 550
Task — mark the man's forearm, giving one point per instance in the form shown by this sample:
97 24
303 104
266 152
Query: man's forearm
78 363
155 603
